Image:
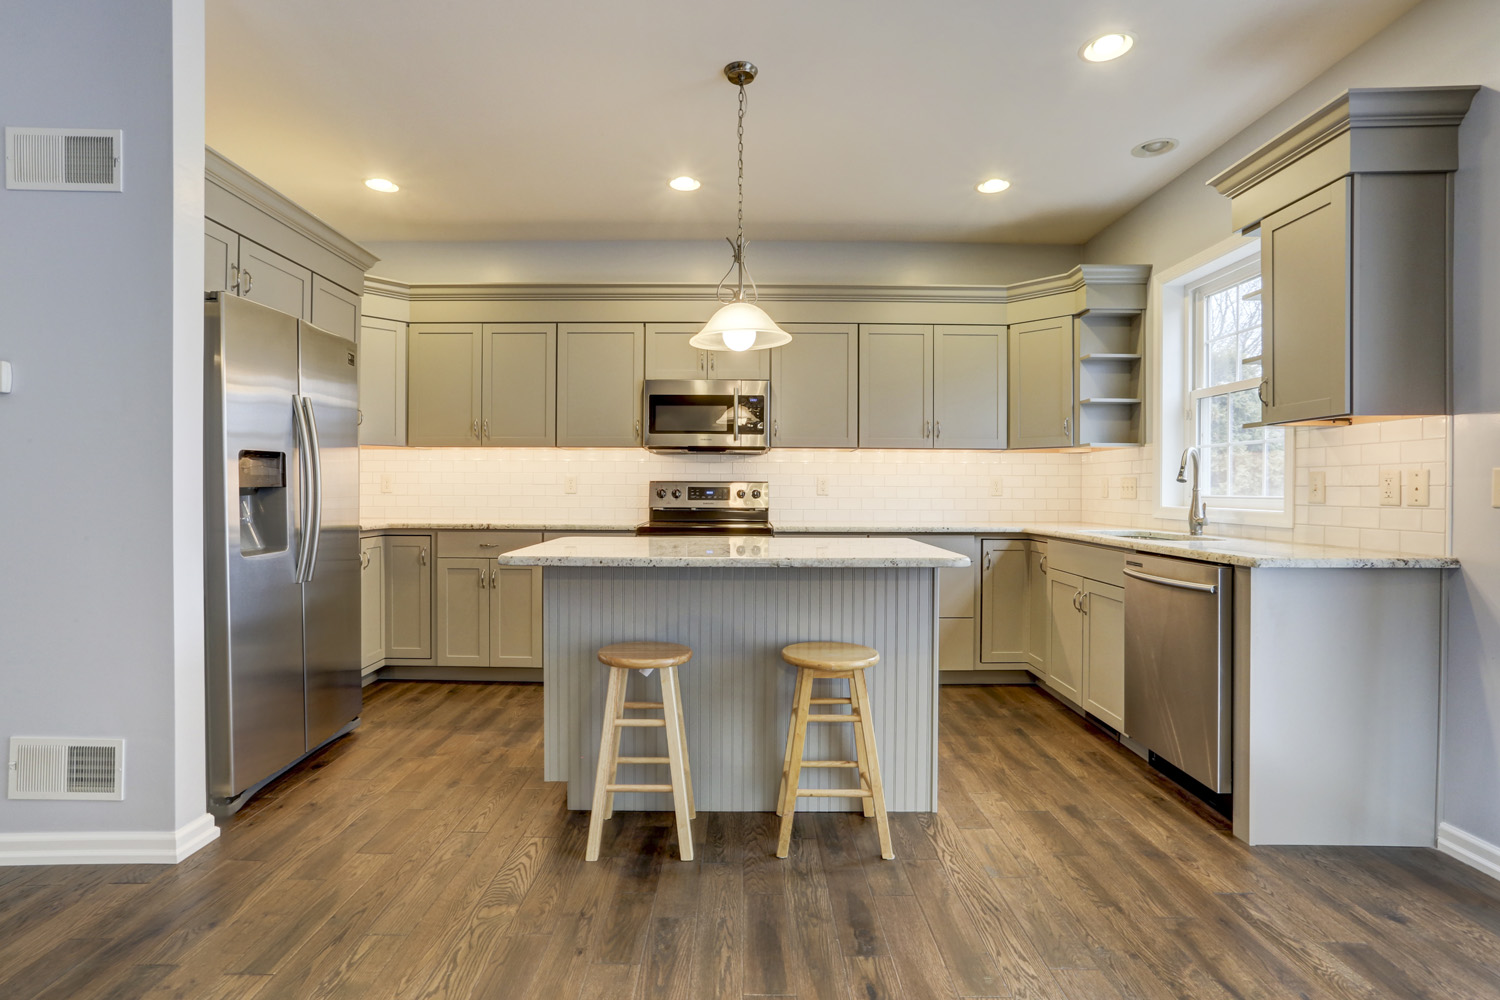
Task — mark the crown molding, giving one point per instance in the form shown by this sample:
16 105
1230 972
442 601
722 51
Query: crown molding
236 180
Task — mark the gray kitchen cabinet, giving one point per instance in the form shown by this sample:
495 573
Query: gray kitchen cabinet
1104 652
221 256
815 387
1086 651
519 392
463 612
516 616
408 596
372 623
382 381
600 370
273 280
969 387
1041 383
334 309
488 615
1038 615
444 384
668 355
1065 642
1005 601
895 386
956 601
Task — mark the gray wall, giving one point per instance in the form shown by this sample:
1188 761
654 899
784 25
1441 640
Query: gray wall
100 443
1439 42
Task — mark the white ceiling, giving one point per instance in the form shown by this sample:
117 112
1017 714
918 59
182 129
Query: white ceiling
871 119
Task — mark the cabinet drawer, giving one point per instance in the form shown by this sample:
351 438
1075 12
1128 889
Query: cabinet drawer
1092 562
482 544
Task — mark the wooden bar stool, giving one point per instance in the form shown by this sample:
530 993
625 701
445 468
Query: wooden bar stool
621 658
814 661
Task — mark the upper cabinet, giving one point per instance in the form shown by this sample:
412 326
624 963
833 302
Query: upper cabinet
931 386
1353 206
668 355
1041 383
489 384
815 387
600 376
895 386
382 381
444 383
334 309
969 387
518 404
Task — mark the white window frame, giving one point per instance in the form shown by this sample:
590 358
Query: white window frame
1171 316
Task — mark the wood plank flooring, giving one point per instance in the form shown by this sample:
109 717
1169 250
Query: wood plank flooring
424 857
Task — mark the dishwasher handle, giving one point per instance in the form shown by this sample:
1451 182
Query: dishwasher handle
1165 581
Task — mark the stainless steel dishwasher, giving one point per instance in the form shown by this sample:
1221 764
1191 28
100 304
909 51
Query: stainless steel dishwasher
1178 680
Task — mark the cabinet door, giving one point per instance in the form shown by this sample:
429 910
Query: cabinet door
382 381
956 644
1304 268
1003 616
1104 652
969 369
600 368
372 624
815 388
334 308
444 367
895 386
221 252
956 585
1065 645
515 616
739 364
520 385
668 354
1041 383
271 279
1038 613
463 612
408 597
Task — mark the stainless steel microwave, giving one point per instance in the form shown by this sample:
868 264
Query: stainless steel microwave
712 415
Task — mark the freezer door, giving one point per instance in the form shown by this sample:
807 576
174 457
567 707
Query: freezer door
330 596
254 605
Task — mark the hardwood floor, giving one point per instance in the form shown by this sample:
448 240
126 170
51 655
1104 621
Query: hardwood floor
424 857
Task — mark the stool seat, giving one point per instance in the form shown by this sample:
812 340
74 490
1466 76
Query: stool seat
831 656
645 655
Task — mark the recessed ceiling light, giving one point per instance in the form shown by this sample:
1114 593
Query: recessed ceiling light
1107 47
684 183
382 185
992 186
1154 147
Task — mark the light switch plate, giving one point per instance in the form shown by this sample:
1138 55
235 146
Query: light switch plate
822 486
1317 486
1104 488
5 376
386 483
1127 488
1417 492
997 488
1390 487
570 484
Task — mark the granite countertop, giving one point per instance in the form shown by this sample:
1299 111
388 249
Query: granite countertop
553 526
759 551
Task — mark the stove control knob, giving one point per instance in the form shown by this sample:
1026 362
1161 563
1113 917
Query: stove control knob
741 494
661 494
755 494
676 494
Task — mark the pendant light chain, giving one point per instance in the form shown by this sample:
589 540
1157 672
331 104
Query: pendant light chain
741 134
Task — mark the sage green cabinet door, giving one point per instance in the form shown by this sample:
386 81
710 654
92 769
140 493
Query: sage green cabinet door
408 597
895 386
815 387
275 281
668 354
520 385
754 365
1042 357
382 381
221 256
516 616
444 369
1104 652
956 644
1305 272
334 309
372 625
969 391
1038 613
463 612
1065 648
1004 615
600 368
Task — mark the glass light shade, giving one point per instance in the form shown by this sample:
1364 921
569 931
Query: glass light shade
740 326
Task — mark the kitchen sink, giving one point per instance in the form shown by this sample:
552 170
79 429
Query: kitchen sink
1156 536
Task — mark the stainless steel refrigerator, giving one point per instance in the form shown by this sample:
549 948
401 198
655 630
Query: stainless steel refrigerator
282 522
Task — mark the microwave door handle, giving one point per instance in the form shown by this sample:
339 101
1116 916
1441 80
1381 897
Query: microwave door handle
304 486
317 494
736 413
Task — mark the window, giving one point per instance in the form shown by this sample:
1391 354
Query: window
1243 466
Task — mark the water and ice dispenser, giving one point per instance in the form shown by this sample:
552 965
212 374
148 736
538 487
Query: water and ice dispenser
263 502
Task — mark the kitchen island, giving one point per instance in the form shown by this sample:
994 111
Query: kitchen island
736 601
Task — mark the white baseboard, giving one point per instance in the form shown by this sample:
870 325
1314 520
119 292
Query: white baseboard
1469 849
108 848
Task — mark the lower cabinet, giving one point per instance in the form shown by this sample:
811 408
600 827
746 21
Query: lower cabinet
1013 601
1038 609
487 615
1086 654
957 608
408 597
372 627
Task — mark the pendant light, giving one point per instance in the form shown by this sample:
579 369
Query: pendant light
740 324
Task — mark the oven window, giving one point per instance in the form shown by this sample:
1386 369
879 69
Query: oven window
704 414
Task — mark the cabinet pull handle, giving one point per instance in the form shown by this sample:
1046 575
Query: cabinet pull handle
1068 428
234 274
494 573
489 545
638 428
476 429
776 428
359 418
249 280
703 361
937 429
364 560
1044 564
483 578
1260 391
424 555
486 429
710 360
1077 600
926 428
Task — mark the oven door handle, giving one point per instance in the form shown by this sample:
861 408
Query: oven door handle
736 413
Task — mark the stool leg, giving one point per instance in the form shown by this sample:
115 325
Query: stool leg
791 733
794 770
857 682
861 752
672 712
687 759
617 707
609 749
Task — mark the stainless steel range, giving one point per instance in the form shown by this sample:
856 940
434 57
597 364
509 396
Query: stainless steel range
708 508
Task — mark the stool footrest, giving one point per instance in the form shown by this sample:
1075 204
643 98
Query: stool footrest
643 704
830 701
851 717
830 763
648 723
643 760
831 793
637 788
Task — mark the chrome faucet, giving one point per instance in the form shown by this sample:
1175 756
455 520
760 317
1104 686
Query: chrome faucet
1197 509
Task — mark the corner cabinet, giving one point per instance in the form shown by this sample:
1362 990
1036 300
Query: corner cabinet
1041 383
600 376
815 387
382 381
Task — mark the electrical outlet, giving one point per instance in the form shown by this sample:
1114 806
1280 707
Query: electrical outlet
822 486
1317 486
386 484
1417 492
570 484
1390 487
997 487
1127 488
1104 488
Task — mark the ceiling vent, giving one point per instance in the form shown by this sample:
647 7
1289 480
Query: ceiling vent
42 768
63 159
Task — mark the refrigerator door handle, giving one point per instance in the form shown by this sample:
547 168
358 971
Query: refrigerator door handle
304 487
317 492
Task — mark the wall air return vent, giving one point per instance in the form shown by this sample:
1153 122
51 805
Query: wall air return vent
63 159
43 768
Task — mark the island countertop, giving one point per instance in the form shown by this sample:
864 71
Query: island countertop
741 552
